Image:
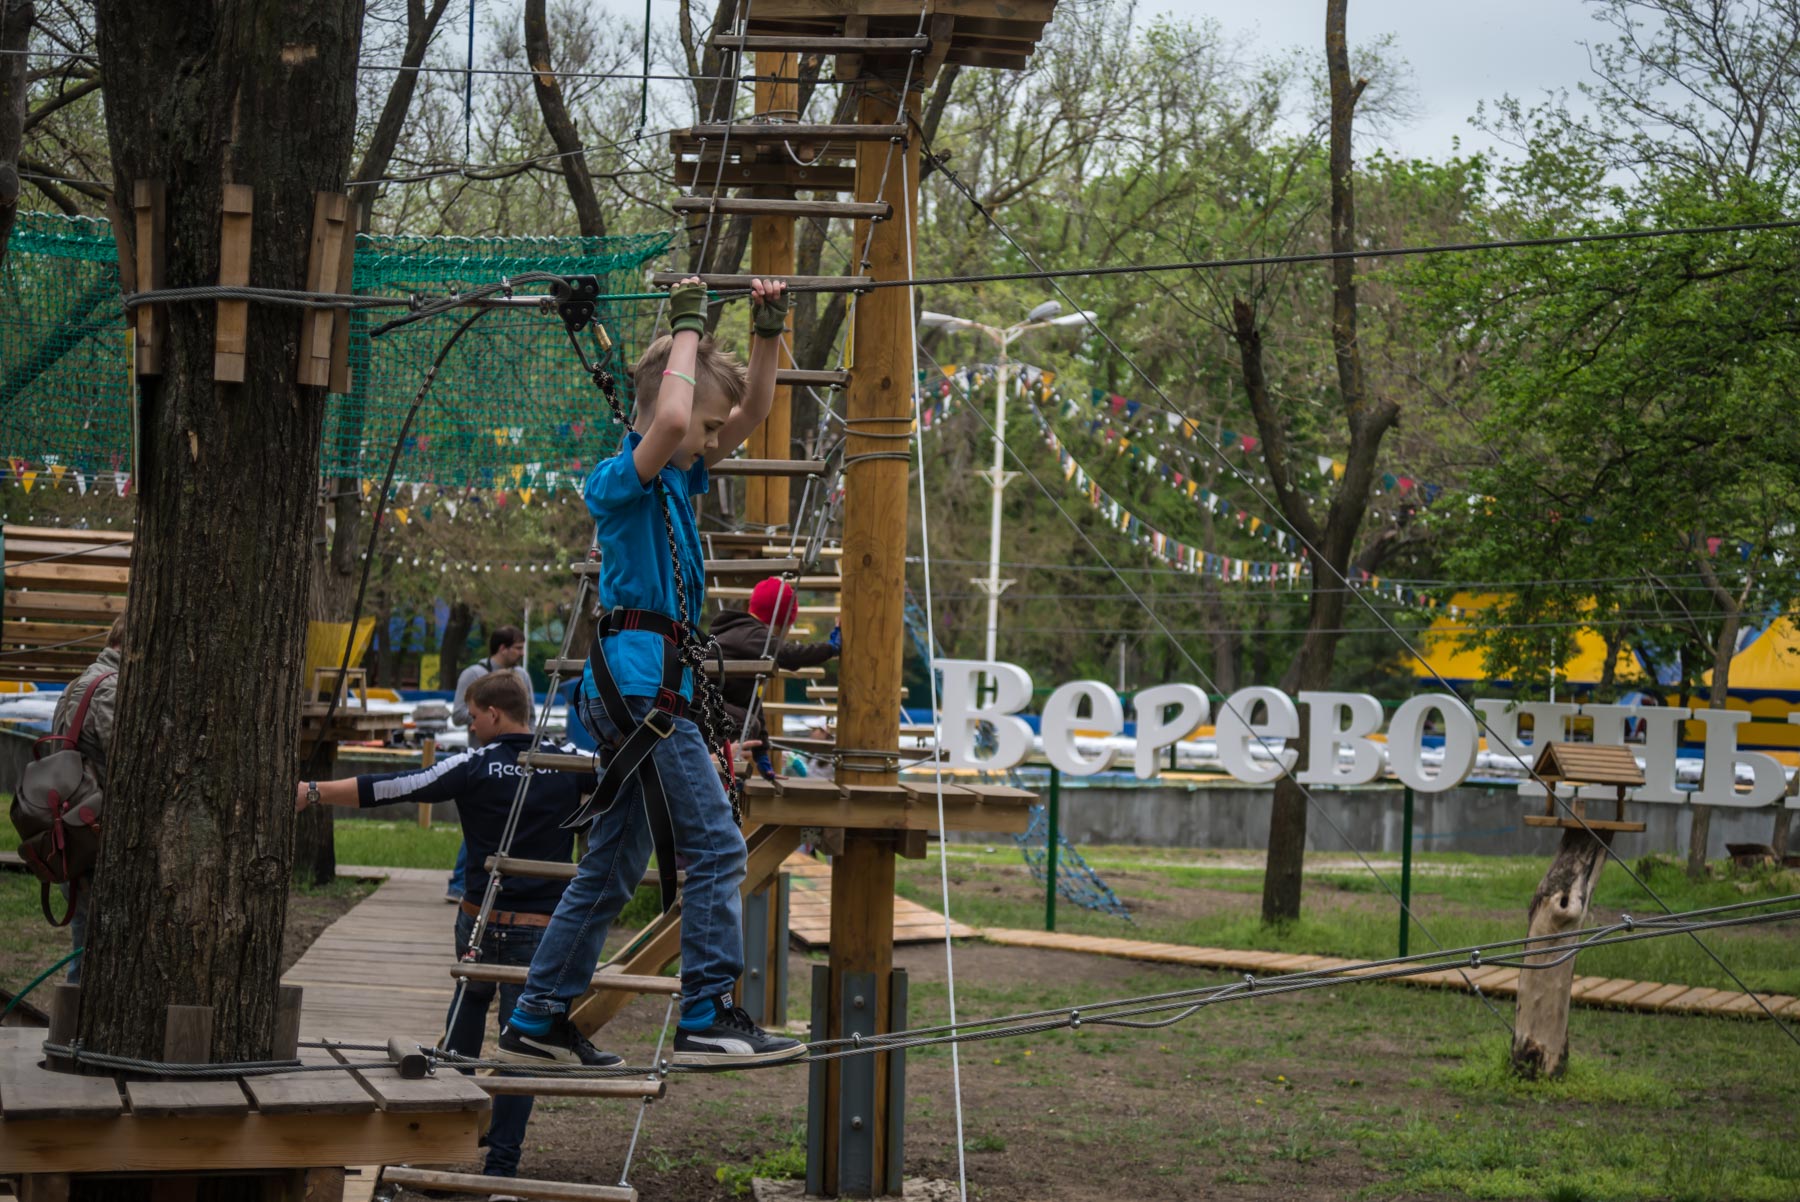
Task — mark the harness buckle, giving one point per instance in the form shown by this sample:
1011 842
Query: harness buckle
660 722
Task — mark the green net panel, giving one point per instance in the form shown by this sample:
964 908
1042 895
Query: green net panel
511 407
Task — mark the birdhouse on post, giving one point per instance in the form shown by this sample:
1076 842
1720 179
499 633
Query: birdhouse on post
1540 1045
1585 764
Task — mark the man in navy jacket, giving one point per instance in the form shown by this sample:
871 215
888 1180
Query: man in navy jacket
483 781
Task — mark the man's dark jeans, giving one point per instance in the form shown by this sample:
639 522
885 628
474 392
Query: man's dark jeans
511 945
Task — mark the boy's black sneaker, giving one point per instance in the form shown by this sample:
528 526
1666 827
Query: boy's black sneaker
733 1039
561 1044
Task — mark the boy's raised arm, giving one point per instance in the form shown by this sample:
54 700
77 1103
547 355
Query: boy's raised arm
675 399
768 311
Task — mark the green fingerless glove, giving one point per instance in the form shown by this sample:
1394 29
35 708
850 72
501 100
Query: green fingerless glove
687 308
770 317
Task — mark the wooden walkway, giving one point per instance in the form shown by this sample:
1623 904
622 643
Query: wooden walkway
383 968
1648 996
809 909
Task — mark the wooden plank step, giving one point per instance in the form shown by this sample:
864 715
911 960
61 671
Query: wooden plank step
85 536
82 578
523 1187
667 279
447 1090
571 1087
765 172
726 592
30 1091
310 1093
759 206
769 133
768 467
556 761
802 375
820 44
714 567
510 974
733 667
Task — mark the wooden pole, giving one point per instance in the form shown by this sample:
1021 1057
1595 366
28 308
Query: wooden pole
766 497
1540 1046
874 568
772 253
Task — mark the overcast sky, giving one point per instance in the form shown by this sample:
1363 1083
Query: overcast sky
1461 52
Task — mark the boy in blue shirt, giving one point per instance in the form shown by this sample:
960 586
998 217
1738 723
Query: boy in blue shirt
695 405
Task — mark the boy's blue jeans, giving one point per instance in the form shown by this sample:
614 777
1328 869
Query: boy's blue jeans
712 851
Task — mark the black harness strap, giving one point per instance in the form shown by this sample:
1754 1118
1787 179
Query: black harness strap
631 755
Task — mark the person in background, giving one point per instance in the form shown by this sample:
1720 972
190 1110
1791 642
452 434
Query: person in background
506 653
482 781
756 633
96 736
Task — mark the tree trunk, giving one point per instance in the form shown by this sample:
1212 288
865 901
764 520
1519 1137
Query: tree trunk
16 17
191 887
1724 647
315 842
561 126
1778 836
450 647
1368 420
1540 1046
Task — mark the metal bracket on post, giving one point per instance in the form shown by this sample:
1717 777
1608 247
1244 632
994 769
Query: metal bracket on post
896 1089
815 1083
856 1090
754 985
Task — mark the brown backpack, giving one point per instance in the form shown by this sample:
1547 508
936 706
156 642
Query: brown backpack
57 811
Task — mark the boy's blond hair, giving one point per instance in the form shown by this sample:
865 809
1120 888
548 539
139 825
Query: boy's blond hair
713 368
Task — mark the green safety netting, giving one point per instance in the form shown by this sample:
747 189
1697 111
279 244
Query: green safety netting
511 407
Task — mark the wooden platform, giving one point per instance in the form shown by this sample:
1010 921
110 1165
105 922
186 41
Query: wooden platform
64 1123
809 909
1647 996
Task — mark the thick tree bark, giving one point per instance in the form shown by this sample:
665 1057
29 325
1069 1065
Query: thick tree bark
560 125
191 889
1540 1046
16 17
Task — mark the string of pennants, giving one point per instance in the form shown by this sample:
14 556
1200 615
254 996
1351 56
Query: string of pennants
1107 411
57 476
1164 546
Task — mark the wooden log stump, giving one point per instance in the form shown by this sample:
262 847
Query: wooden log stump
1540 1046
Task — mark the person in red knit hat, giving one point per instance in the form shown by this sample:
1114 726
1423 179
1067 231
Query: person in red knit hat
756 633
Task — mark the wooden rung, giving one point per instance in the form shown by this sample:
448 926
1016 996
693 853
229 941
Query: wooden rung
557 761
829 692
800 707
514 974
751 567
824 552
733 667
814 283
763 173
758 206
800 43
523 1187
571 1087
544 870
801 375
773 132
717 567
728 593
768 467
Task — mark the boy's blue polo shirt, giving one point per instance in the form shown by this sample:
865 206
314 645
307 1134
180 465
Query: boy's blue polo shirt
634 562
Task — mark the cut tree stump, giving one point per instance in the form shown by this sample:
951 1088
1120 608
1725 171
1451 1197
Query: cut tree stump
1540 1046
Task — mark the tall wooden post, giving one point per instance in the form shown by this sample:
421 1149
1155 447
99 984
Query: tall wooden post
874 571
766 504
772 253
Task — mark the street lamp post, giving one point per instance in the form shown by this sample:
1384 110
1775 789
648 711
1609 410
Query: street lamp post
1045 315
